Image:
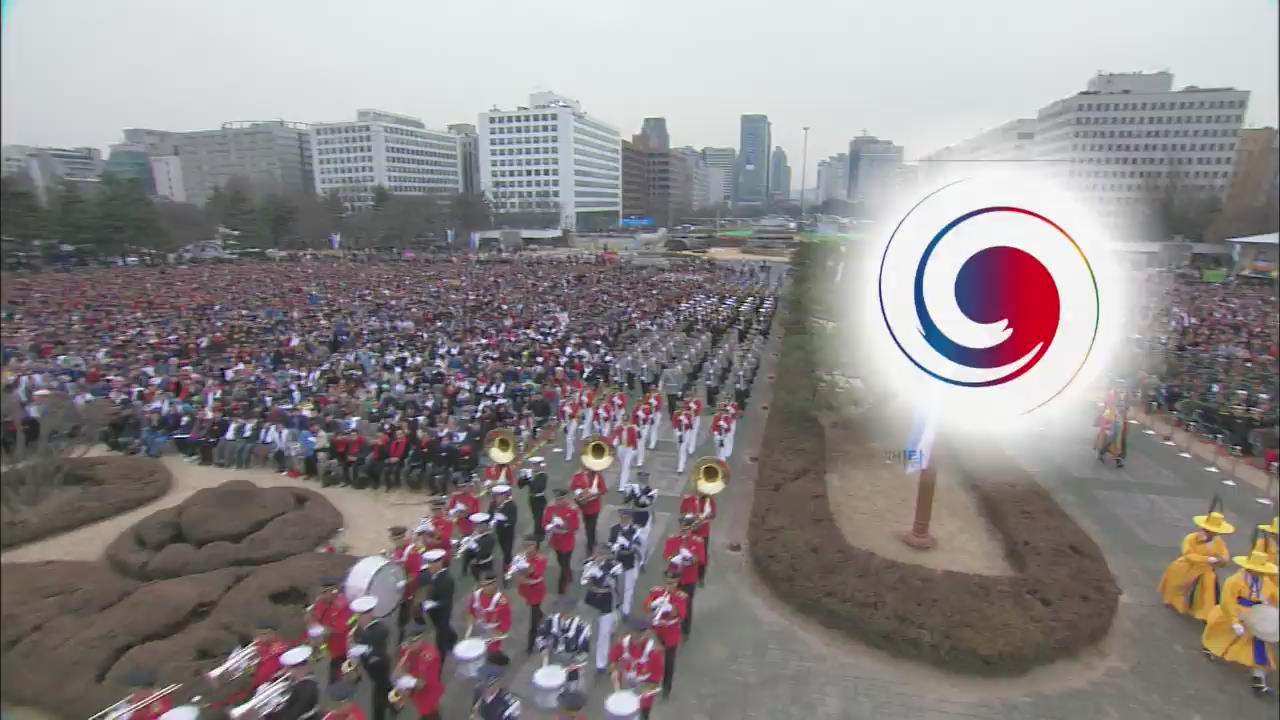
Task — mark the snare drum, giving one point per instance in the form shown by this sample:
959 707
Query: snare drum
622 705
549 681
470 656
182 712
379 577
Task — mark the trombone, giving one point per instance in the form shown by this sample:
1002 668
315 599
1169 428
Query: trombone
124 709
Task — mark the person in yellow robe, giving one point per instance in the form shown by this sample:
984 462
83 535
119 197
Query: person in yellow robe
1269 541
1190 583
1225 635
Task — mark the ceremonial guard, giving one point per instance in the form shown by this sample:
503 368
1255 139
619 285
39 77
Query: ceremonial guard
682 423
626 439
331 615
418 674
635 663
600 575
702 508
625 544
529 569
642 417
369 641
1189 584
504 512
492 700
437 599
302 701
641 497
490 611
564 638
535 481
342 694
144 684
685 553
588 487
408 555
477 548
569 412
1229 632
668 607
561 521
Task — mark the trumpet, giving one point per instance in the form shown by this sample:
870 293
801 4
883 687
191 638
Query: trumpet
241 661
518 564
350 666
124 709
555 523
463 544
266 700
660 607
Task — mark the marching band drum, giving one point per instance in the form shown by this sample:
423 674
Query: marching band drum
549 681
622 705
377 576
470 656
182 712
1263 622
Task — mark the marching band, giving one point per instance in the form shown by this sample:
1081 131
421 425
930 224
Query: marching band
349 626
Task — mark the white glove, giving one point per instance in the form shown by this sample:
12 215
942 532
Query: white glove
429 605
406 682
499 518
315 631
1213 560
357 651
1238 629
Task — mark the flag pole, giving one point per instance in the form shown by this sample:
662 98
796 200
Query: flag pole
921 449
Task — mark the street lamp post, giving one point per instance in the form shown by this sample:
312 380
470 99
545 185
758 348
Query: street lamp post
804 169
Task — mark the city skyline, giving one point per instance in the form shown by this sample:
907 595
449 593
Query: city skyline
156 66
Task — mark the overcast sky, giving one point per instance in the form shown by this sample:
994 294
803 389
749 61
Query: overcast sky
924 73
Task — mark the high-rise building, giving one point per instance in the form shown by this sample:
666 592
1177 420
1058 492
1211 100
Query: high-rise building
1012 142
1130 136
272 155
872 165
779 175
167 173
833 178
753 161
1256 170
468 156
49 167
552 156
633 181
690 188
397 152
128 160
722 165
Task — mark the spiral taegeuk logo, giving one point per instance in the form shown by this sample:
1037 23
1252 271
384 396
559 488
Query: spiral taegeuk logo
989 297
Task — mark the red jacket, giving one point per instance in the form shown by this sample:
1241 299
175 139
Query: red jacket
562 538
498 474
568 412
469 504
695 406
409 555
703 508
350 711
642 415
151 711
423 662
641 658
589 481
533 586
398 447
494 611
668 624
627 435
268 660
655 401
332 612
682 420
689 571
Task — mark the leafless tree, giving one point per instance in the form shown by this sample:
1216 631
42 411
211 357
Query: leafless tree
37 464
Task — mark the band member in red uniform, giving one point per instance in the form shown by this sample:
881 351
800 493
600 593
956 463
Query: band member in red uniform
642 418
668 605
588 486
530 570
332 614
695 410
463 503
144 685
438 530
499 475
702 508
342 695
720 425
635 663
561 521
417 673
619 401
269 648
626 439
489 611
685 553
602 417
408 554
682 423
654 401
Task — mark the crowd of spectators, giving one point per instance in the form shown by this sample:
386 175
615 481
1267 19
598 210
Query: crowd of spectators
366 373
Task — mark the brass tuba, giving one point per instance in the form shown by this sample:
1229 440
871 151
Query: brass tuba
710 475
597 453
501 446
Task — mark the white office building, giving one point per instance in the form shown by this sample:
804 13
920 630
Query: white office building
49 167
550 156
833 178
1010 143
166 170
723 164
397 152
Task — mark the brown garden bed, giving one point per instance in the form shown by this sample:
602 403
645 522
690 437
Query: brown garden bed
1061 599
95 488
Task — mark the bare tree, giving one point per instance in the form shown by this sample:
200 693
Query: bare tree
38 451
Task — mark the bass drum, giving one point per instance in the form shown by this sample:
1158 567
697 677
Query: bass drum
1262 621
379 577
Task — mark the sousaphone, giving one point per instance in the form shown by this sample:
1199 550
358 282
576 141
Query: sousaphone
597 453
500 444
710 475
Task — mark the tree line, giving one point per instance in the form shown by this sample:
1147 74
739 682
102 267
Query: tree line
118 216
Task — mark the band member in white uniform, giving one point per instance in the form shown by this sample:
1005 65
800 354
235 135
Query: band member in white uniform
565 639
641 497
626 439
625 544
600 575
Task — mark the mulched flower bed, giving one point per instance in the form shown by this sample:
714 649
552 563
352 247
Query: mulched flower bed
1062 599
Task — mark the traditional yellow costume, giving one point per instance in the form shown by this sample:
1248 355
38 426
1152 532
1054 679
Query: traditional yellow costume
1225 635
1190 584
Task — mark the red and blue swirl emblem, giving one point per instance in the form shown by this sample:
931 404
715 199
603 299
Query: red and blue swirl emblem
988 297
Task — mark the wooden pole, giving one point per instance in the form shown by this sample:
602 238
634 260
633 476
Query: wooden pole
919 537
